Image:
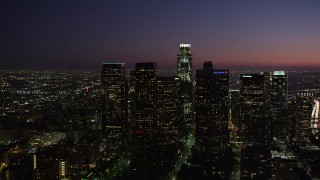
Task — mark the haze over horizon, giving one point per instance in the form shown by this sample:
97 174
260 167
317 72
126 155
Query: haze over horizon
234 34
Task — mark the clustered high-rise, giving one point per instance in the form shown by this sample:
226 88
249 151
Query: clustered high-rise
164 112
145 124
150 118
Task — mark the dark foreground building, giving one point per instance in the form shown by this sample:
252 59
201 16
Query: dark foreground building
255 162
114 108
254 126
211 109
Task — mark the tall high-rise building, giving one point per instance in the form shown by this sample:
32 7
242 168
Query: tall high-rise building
114 121
131 92
221 107
184 63
234 112
143 152
303 114
169 117
275 100
267 91
315 123
252 115
145 78
211 109
279 90
184 72
267 96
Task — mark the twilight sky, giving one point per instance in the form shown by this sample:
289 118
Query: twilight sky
231 33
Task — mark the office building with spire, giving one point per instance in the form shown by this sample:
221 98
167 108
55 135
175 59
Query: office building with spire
185 73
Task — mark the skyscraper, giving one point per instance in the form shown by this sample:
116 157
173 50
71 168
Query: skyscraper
169 108
184 63
145 78
184 72
315 123
267 96
254 127
279 90
234 113
144 146
303 115
114 122
169 117
211 108
267 81
221 107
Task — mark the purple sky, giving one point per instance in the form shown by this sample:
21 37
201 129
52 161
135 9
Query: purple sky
231 33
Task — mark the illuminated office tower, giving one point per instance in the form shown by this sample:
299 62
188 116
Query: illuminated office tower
315 123
252 114
211 108
145 77
303 115
184 72
279 90
131 92
185 63
234 112
267 95
145 102
221 108
114 122
169 117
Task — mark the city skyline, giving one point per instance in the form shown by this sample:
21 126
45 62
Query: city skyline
281 35
210 123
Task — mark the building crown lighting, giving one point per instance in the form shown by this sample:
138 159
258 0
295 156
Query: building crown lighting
185 45
278 73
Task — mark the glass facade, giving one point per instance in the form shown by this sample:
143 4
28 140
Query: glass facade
114 121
